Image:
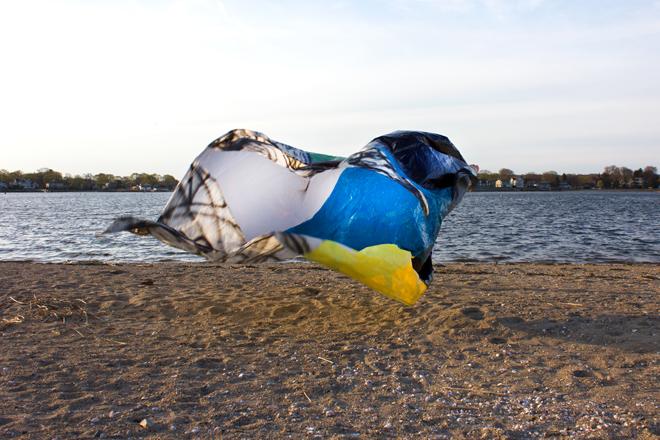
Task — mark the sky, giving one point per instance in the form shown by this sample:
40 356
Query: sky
143 86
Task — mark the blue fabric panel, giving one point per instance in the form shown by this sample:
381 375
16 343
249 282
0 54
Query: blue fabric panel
367 208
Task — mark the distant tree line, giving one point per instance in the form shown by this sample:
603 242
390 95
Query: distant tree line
51 180
612 177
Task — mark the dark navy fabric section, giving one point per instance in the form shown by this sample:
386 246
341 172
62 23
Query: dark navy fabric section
367 208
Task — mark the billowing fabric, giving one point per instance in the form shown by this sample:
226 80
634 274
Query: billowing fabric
374 215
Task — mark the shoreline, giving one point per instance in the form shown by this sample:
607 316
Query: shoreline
197 350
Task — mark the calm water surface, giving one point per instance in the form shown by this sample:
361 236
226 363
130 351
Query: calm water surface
590 226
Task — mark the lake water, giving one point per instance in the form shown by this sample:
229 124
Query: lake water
589 226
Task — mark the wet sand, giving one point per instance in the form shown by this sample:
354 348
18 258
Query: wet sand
177 350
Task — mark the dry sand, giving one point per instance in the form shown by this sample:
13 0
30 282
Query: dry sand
177 350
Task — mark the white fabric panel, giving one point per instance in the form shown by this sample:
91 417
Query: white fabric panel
320 187
264 196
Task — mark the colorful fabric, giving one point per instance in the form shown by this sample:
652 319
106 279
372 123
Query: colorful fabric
374 215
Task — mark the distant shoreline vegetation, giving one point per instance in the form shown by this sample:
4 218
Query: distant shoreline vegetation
612 177
46 179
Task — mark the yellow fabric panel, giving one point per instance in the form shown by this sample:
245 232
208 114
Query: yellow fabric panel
385 268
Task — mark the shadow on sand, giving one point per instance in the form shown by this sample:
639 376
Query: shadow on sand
636 333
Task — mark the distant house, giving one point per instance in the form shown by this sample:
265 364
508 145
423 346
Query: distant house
517 182
502 184
565 186
55 186
538 186
25 184
485 184
143 188
3 186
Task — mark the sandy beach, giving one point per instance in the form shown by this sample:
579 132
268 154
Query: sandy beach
178 350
